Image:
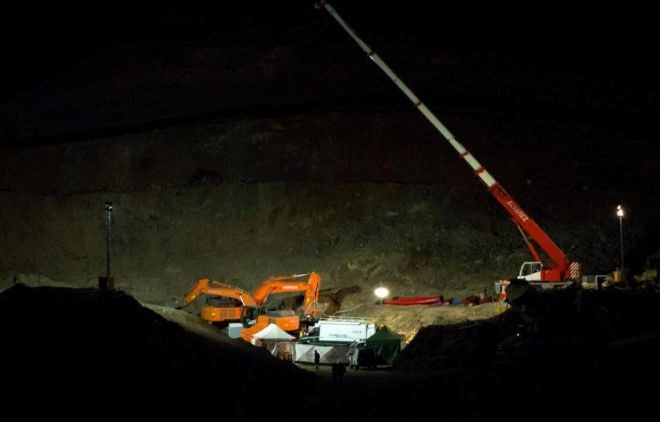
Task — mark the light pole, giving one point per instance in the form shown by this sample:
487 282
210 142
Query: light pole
619 213
108 215
107 282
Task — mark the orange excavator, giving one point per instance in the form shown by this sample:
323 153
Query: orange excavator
272 311
224 303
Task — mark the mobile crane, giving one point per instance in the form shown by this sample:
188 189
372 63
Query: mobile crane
557 270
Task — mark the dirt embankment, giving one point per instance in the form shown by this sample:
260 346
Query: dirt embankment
416 240
91 344
341 194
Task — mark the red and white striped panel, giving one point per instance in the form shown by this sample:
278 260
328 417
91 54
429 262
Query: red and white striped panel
575 270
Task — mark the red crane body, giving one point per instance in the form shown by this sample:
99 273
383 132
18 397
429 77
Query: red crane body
558 269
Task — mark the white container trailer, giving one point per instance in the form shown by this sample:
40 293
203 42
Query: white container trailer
346 329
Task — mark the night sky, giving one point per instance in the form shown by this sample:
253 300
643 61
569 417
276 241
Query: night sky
600 59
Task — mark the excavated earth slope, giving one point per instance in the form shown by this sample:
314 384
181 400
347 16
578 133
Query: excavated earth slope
246 199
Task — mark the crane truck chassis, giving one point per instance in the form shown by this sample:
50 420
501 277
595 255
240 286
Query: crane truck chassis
558 272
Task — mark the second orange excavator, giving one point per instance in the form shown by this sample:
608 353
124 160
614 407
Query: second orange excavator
274 311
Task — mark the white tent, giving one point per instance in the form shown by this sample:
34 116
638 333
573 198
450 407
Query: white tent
328 354
277 341
272 332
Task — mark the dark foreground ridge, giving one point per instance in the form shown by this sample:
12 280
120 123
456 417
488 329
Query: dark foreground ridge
80 344
579 353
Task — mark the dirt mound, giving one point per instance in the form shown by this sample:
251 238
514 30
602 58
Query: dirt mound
101 340
331 299
587 320
422 352
435 347
573 326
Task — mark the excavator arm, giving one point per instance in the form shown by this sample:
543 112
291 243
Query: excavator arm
194 292
311 302
559 268
306 284
215 288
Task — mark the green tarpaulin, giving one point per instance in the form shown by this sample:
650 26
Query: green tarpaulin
386 344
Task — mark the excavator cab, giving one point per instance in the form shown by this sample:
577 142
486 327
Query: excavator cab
249 316
531 271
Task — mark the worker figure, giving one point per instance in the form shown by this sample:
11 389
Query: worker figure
317 358
338 370
352 357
